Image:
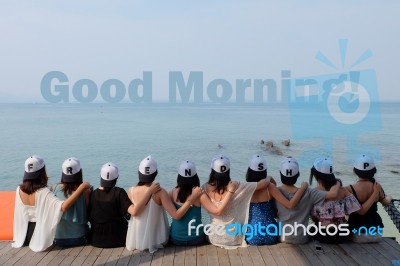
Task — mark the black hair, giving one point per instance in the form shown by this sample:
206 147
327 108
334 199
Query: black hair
70 187
219 180
185 185
289 180
31 186
327 180
255 176
141 183
368 174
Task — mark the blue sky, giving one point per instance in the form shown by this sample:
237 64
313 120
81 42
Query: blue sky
102 40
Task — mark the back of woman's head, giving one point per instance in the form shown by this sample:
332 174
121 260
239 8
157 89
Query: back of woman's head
322 170
289 171
220 173
71 176
257 169
187 179
364 167
35 176
108 176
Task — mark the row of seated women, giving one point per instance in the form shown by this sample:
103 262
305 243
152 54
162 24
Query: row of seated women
71 213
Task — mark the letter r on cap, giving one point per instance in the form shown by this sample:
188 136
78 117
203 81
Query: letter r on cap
69 170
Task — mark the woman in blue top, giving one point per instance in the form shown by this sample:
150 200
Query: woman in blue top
262 205
73 228
187 180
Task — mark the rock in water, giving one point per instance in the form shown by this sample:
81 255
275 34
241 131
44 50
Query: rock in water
269 145
262 142
286 142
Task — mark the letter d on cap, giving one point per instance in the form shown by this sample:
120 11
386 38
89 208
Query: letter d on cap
223 168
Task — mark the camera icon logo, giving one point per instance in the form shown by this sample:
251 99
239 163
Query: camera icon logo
344 104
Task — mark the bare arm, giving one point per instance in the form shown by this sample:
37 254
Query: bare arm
218 210
170 207
136 209
263 183
74 196
277 195
333 192
371 200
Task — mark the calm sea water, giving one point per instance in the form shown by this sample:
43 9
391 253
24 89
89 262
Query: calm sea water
125 133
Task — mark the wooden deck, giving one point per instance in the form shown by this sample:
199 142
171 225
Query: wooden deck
281 254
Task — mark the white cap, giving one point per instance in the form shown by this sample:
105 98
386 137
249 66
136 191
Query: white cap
109 172
33 167
258 163
323 165
71 166
148 166
187 169
220 164
364 163
289 167
34 164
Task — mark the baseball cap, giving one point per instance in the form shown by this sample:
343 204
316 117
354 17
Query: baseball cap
220 164
71 170
289 167
187 169
323 165
258 163
108 173
34 165
147 169
364 163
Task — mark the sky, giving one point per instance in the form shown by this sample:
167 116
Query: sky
101 40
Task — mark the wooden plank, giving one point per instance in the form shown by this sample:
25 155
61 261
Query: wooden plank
370 249
135 258
4 247
310 255
9 253
245 256
293 254
124 258
179 258
169 253
49 256
322 255
17 256
114 256
393 243
223 258
277 254
92 256
158 257
82 256
387 250
343 255
190 256
33 258
255 255
234 257
145 258
212 258
57 260
267 256
201 255
359 254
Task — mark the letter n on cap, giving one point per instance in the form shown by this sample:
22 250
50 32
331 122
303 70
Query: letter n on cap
188 172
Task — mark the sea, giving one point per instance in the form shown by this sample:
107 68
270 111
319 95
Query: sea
126 133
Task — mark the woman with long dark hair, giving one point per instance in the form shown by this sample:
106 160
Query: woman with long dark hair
364 189
331 212
237 211
150 229
188 179
73 228
110 208
37 210
262 206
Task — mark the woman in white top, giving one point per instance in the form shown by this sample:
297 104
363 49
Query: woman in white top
149 228
37 210
236 213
